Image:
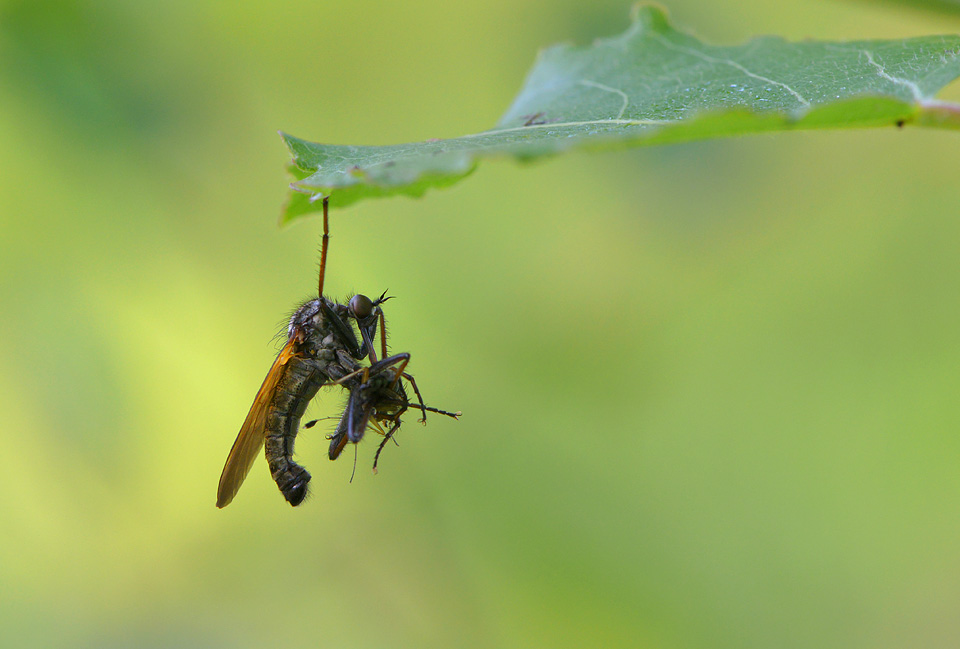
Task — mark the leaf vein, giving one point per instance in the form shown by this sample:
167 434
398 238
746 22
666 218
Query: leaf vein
623 95
592 122
734 64
906 83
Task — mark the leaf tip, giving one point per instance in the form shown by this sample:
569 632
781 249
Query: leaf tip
650 16
297 147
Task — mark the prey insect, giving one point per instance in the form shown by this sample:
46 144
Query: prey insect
321 347
377 400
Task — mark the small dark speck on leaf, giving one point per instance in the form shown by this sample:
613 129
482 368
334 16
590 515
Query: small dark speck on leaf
534 120
900 123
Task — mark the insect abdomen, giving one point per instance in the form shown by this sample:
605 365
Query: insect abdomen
300 381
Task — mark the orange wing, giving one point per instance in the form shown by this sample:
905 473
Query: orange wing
251 437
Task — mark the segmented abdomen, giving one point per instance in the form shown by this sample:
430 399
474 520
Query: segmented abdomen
300 382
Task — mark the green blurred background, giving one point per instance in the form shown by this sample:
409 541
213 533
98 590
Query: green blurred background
709 391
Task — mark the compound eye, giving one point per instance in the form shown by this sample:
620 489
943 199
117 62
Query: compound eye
360 306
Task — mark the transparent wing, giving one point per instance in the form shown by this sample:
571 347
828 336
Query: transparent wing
251 437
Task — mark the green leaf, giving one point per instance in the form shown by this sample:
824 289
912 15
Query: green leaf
938 6
655 85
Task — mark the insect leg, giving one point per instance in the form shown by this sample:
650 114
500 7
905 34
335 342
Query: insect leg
455 415
383 335
416 390
323 248
390 361
343 330
386 438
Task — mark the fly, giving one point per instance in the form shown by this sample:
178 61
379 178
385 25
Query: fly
321 347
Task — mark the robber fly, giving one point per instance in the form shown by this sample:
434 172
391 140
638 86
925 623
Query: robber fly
321 347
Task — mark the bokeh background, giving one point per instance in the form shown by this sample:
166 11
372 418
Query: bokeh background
710 391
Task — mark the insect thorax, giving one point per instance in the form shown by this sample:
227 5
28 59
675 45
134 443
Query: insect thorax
316 335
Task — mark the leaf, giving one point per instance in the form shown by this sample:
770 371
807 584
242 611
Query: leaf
938 6
654 85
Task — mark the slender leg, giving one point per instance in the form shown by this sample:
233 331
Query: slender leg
400 372
365 371
383 336
386 438
455 415
368 344
323 247
416 390
390 361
